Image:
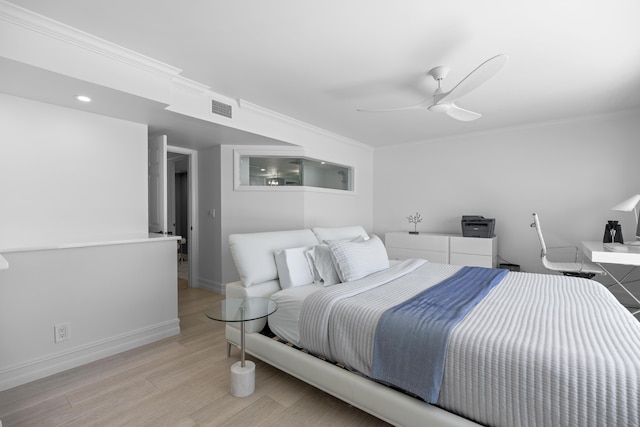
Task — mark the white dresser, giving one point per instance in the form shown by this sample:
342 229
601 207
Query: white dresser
443 248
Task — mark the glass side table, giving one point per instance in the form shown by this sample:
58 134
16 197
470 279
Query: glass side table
241 310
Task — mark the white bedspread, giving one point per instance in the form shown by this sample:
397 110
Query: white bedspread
539 350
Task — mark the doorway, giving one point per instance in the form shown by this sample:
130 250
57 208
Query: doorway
182 209
178 210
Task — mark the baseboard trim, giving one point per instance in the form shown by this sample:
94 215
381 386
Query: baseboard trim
212 286
52 364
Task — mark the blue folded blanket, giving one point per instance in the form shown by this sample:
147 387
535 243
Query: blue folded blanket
411 338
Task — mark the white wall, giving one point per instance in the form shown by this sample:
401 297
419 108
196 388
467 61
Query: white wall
252 211
114 297
73 181
330 209
571 173
110 66
69 176
210 246
281 209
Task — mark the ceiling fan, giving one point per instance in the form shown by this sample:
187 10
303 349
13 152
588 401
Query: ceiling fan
443 102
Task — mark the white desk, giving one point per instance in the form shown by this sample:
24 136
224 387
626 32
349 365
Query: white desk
598 254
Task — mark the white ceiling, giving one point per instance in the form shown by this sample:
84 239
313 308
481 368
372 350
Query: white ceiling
319 61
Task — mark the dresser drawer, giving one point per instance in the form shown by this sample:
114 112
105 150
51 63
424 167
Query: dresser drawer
431 256
428 242
473 245
443 248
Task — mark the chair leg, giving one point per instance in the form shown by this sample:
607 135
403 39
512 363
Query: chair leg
583 275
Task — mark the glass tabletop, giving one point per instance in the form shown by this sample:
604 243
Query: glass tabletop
241 309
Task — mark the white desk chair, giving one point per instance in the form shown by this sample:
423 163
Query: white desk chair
576 268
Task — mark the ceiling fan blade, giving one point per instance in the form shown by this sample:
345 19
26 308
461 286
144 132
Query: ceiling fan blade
462 114
476 78
424 104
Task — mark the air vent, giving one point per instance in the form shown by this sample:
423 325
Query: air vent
220 108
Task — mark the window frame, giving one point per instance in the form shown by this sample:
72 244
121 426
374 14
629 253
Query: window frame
238 154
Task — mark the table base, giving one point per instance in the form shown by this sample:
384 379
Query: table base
243 379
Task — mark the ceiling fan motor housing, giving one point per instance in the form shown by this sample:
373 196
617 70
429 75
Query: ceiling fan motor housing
439 73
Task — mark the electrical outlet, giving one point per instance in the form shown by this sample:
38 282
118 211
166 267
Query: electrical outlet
61 331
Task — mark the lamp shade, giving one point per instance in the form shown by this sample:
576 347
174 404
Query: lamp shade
627 205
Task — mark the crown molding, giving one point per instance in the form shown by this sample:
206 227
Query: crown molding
48 27
32 21
190 86
246 105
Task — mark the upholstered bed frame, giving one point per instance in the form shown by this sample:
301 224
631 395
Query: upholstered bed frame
254 257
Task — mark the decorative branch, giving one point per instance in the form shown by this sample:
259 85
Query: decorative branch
415 219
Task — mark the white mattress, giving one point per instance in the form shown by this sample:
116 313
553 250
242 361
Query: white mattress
284 322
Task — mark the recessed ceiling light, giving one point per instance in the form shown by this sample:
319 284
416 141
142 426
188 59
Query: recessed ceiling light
83 98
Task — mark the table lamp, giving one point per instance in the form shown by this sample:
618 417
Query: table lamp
631 204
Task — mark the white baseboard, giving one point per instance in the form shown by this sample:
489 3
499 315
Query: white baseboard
52 364
212 286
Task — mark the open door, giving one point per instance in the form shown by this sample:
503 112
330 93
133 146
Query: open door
158 184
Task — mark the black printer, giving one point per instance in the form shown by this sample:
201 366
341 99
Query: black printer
477 226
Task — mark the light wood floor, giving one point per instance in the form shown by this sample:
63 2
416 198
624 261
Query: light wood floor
179 381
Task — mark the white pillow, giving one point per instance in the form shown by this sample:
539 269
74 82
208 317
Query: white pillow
320 260
253 252
293 267
355 260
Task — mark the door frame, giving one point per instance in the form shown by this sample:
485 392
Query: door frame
192 237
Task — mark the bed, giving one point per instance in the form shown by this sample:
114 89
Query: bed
522 349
